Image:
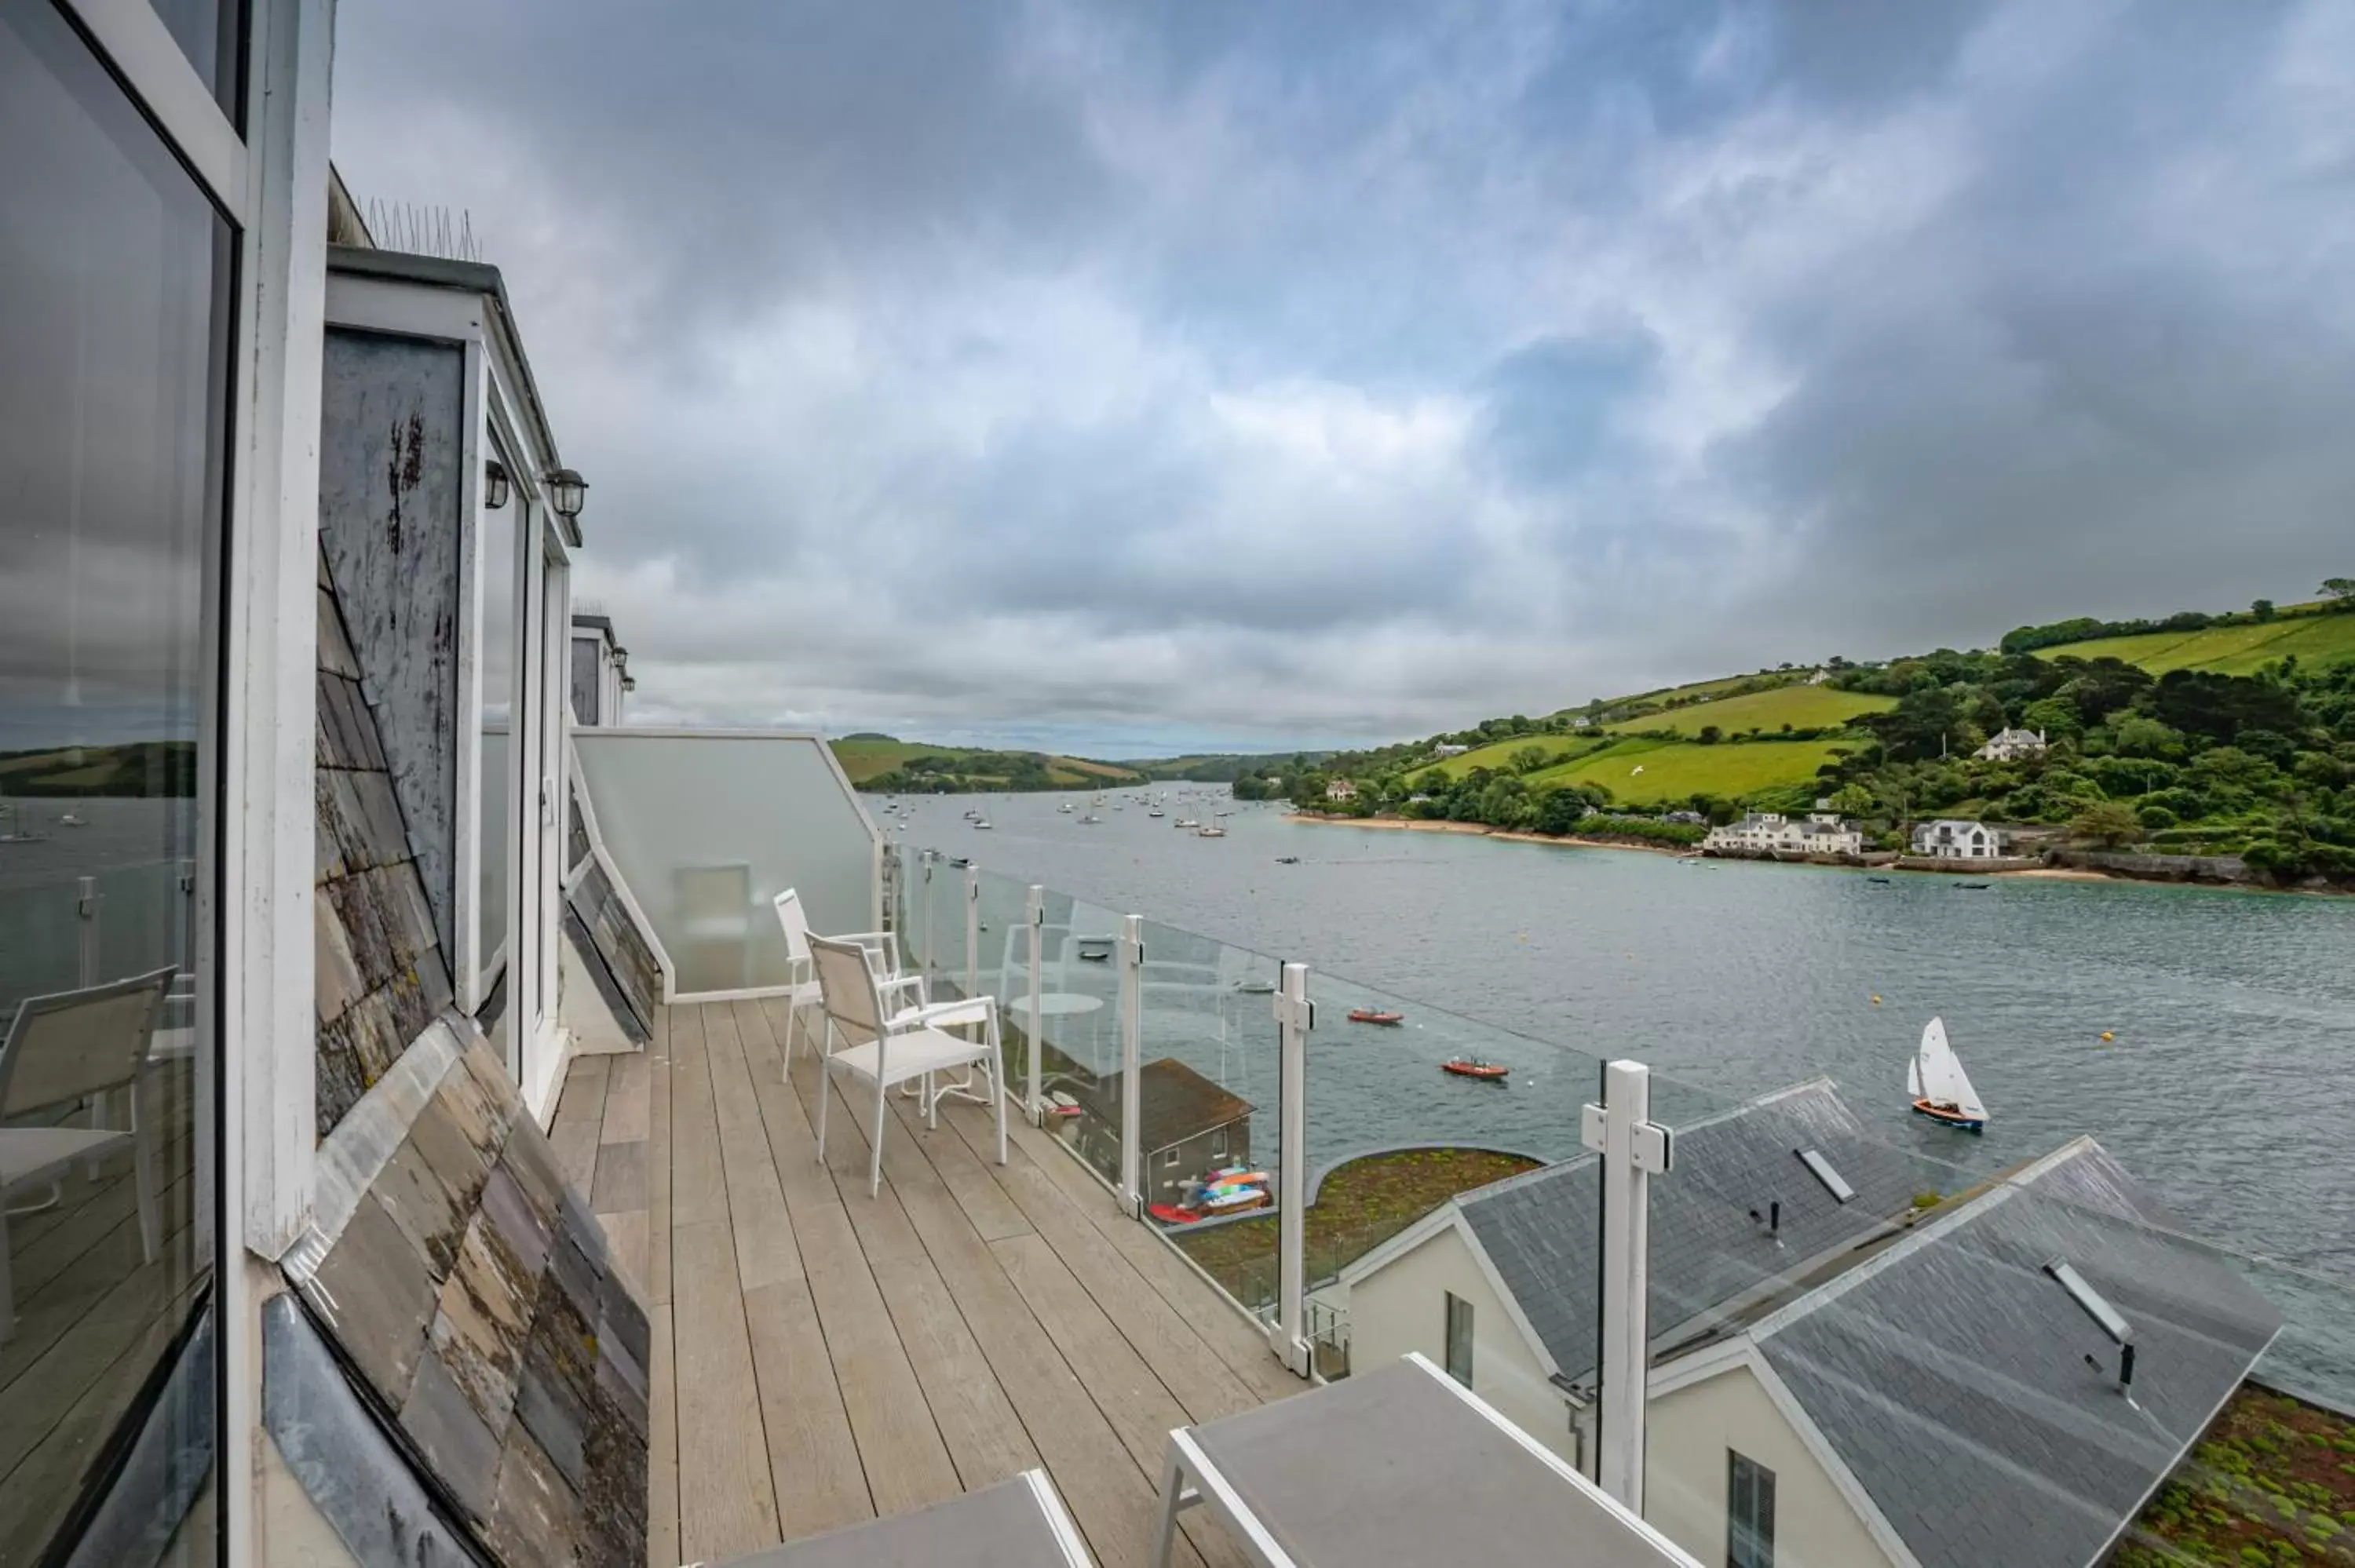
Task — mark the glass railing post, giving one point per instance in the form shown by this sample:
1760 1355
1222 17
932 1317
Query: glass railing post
972 930
1035 1023
1294 1016
1634 1148
925 968
86 905
1132 1040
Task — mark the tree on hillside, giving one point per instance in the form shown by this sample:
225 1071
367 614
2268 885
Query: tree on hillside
2339 591
1529 758
2107 822
2262 608
1852 801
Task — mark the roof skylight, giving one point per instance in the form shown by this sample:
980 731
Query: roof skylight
1821 1169
2095 1306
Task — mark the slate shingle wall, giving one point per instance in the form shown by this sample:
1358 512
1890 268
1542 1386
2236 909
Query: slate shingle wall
381 974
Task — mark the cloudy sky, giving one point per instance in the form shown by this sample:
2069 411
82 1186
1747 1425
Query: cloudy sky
1133 375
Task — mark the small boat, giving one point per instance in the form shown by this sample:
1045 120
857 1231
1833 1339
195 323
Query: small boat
70 820
1975 886
1209 831
1941 1089
1090 820
1060 1104
1187 822
1157 812
1375 1015
1287 860
1171 1215
1096 950
1065 808
1256 987
982 822
1882 880
1473 1068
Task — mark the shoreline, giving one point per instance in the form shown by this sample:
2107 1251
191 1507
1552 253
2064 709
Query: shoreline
2025 873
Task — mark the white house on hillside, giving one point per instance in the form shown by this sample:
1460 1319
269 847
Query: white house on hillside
2011 745
1951 838
1446 751
1819 833
1800 1318
1340 789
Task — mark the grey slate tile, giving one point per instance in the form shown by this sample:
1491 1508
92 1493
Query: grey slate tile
484 1320
457 1444
337 985
538 1523
335 654
426 1193
379 1295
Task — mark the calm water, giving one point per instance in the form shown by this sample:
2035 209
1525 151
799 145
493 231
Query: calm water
2229 1088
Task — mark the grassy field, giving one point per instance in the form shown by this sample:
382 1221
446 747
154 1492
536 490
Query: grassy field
1675 770
1801 707
865 760
2224 650
1498 757
1696 691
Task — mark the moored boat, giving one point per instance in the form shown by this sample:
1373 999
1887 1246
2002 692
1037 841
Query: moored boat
1375 1015
1473 1068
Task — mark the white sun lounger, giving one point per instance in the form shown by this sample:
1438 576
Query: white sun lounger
1401 1466
1019 1523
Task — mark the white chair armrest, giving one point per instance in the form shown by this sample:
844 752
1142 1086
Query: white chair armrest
917 1017
899 982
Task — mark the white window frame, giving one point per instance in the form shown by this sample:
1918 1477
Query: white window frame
254 898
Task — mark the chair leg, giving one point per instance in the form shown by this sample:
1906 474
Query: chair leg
824 1093
998 1086
1173 1489
143 1178
875 1155
793 1020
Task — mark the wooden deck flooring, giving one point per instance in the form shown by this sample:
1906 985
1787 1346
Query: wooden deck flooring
822 1357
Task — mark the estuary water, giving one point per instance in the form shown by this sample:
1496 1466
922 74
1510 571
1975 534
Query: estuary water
2226 1081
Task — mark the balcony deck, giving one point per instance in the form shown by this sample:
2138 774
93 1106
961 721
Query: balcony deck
822 1357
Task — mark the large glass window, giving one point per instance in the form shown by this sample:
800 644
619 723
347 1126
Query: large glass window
114 316
1459 1338
497 654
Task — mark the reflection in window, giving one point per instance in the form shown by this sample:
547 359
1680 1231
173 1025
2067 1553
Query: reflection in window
499 655
113 321
207 33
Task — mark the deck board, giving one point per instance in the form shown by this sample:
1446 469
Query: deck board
821 1355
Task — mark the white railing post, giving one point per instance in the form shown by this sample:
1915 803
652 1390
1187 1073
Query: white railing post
1295 1015
924 966
1035 916
1634 1148
87 907
1132 1048
972 930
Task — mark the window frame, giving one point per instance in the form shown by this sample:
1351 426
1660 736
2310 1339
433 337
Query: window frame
1459 1327
1749 1531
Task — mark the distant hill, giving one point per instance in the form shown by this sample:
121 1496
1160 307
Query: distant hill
139 768
879 762
2237 645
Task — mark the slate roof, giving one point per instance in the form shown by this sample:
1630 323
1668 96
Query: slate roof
1950 1374
1542 1232
1174 1103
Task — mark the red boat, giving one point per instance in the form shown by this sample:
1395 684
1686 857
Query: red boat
1465 1067
1375 1015
1171 1215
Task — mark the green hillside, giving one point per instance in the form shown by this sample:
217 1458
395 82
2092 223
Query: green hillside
1796 707
883 762
1498 757
1660 772
2238 650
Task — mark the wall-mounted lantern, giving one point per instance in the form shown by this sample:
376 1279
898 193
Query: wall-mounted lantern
494 484
566 491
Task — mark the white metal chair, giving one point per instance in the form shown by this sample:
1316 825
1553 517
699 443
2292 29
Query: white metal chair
882 950
68 1050
877 1046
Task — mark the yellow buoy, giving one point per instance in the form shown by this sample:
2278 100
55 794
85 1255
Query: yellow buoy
2107 1035
1876 1000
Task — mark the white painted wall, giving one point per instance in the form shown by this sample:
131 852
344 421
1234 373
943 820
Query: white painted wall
1403 1307
1684 1485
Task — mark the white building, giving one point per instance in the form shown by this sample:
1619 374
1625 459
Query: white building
1443 752
1799 1318
2011 746
1951 838
1818 832
1340 789
601 670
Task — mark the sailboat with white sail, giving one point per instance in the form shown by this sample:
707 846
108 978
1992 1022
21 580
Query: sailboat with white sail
1941 1089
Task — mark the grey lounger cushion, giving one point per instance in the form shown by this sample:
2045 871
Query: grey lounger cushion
1008 1525
1392 1466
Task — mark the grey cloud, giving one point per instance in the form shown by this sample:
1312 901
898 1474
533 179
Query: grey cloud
1224 370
